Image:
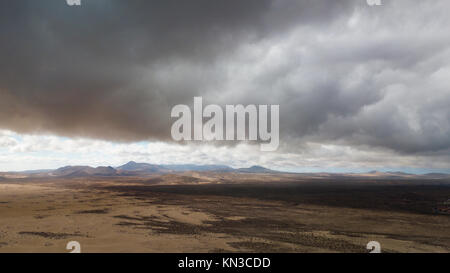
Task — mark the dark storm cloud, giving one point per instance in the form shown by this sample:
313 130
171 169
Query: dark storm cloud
79 70
342 71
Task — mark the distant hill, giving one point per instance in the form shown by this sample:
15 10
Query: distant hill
199 168
133 168
256 169
436 175
37 171
399 173
141 167
76 171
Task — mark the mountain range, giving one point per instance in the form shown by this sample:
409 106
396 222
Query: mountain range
137 169
142 169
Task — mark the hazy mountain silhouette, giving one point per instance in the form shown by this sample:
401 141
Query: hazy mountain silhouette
255 169
133 168
141 167
199 168
75 171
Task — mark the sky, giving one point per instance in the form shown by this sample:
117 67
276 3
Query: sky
359 87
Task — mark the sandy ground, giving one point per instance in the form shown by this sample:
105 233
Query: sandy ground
44 217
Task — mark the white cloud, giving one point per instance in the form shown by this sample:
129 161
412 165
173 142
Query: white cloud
46 152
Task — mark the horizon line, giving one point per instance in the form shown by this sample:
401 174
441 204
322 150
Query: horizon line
313 170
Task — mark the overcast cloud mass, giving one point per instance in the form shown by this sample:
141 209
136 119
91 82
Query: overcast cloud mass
359 87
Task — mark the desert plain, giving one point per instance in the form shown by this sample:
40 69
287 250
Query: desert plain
224 212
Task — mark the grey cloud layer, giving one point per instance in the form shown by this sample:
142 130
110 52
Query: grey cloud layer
342 71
